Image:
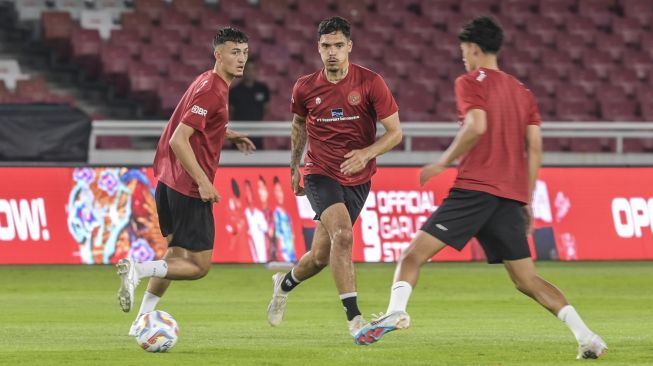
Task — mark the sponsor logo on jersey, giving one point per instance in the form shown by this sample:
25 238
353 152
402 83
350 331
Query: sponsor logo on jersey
199 110
337 113
318 100
354 97
481 75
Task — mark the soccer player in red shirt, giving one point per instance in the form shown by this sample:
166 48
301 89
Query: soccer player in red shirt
335 111
500 150
185 162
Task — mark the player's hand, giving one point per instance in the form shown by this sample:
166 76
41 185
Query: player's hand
244 144
208 193
429 171
356 161
296 178
528 219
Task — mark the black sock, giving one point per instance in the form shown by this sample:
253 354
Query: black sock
351 307
288 282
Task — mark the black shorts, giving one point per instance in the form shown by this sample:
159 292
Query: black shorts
323 191
498 224
188 219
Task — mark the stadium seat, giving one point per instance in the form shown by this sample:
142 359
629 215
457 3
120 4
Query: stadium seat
85 46
30 10
545 79
638 145
629 30
157 57
571 93
640 63
628 81
354 11
646 109
609 93
600 62
193 10
546 106
599 11
639 10
576 110
591 144
176 22
619 110
143 84
573 46
114 7
437 12
152 9
10 73
57 28
542 28
559 62
276 8
35 88
213 20
100 20
587 79
582 27
516 11
198 57
128 39
137 23
529 43
169 39
555 12
170 92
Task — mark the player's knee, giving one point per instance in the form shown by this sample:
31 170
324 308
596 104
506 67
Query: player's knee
200 272
524 285
321 260
343 237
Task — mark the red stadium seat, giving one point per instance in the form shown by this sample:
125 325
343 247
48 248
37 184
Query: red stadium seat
555 12
546 106
573 46
516 11
609 93
214 20
586 79
138 23
169 39
529 43
181 72
170 92
152 9
639 10
628 81
177 22
582 27
619 110
600 62
546 79
157 57
192 9
638 145
57 27
354 11
201 58
571 93
543 28
85 44
437 12
591 144
629 30
275 8
576 110
599 11
35 88
128 39
559 62
646 108
640 63
115 61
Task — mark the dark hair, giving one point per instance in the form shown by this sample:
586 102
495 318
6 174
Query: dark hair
485 31
334 24
235 188
227 34
248 183
276 180
260 177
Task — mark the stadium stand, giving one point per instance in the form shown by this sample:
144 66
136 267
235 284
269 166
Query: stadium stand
586 60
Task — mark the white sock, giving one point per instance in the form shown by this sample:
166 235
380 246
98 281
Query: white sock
152 269
149 303
570 317
399 296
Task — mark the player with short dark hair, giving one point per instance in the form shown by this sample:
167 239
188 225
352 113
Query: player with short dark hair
500 150
335 110
184 164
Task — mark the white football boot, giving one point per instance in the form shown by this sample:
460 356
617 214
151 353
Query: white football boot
593 348
383 324
277 306
128 282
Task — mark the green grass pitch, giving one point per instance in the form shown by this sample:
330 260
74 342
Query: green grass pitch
462 314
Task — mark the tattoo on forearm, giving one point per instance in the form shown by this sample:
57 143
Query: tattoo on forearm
298 141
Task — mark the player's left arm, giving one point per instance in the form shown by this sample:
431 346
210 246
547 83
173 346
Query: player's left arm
473 128
242 142
356 160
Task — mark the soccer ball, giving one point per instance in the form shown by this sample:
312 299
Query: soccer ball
157 331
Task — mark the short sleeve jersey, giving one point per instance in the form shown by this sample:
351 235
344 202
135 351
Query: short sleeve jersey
497 164
204 107
341 117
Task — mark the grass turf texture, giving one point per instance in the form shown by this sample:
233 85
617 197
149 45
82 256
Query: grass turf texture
462 314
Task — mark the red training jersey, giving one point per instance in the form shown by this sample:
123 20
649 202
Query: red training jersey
498 163
341 117
204 107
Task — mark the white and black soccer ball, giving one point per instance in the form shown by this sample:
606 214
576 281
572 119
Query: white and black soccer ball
157 331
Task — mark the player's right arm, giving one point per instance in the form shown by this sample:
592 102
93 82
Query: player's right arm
180 144
297 143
